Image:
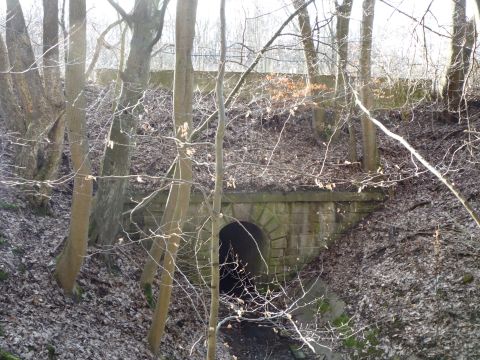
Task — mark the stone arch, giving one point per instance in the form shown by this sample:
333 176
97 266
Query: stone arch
272 219
243 255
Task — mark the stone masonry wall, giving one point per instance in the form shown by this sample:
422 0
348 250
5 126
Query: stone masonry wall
296 226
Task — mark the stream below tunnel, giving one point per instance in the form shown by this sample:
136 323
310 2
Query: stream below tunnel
255 341
242 258
241 245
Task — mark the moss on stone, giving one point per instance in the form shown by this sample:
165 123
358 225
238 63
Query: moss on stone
467 278
5 355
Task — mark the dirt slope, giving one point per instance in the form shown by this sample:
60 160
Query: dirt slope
411 269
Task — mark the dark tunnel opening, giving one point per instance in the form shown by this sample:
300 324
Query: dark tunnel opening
240 258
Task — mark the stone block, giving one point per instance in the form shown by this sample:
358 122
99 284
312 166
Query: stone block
266 217
275 253
257 211
300 208
275 262
271 224
291 251
281 208
280 243
279 232
306 240
292 260
242 212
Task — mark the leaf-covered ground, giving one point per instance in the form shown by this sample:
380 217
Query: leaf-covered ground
410 271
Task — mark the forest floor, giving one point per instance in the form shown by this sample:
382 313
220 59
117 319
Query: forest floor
410 271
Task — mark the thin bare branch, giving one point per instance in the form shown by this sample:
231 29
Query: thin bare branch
471 211
161 20
98 46
126 17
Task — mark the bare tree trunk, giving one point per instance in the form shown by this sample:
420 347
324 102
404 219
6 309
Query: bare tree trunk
41 107
71 259
343 98
121 64
477 7
217 195
370 152
318 120
9 106
182 113
105 221
166 227
453 82
54 93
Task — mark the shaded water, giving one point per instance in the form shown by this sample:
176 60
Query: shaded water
253 341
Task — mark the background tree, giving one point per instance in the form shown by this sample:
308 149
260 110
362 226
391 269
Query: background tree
39 116
343 99
463 37
313 75
147 25
182 117
370 152
71 259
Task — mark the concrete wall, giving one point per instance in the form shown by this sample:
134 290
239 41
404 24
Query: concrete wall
296 226
387 93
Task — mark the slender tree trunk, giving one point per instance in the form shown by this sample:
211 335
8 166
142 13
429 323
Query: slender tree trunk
343 98
182 113
105 221
453 82
370 152
166 227
71 259
121 64
318 120
217 195
54 93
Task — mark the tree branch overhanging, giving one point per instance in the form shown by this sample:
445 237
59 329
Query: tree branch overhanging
471 211
99 45
161 20
126 17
